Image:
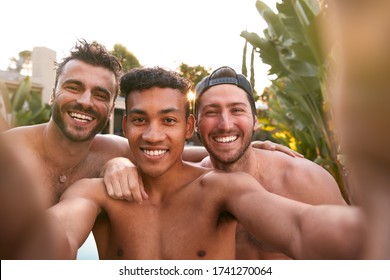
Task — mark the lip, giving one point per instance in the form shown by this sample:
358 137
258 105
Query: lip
81 118
155 153
225 139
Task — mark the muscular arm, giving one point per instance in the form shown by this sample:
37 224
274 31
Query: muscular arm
77 210
299 230
298 179
312 184
27 230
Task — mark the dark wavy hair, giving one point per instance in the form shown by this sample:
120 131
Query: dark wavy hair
141 78
94 54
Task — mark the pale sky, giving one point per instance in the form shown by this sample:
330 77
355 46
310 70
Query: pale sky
158 32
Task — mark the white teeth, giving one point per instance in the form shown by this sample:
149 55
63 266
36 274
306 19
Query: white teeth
154 152
80 117
226 139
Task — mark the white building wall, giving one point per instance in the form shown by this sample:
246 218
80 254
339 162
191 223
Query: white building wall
43 70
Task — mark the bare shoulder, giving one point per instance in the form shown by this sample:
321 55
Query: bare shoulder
206 162
102 139
301 179
111 144
24 133
228 182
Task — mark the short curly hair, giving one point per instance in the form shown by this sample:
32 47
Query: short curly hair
94 54
141 78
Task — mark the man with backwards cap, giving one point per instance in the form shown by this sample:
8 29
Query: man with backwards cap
226 119
192 212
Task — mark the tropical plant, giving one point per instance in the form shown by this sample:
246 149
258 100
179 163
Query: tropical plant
298 113
127 58
194 73
24 106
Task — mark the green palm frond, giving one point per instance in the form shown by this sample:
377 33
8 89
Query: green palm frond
296 98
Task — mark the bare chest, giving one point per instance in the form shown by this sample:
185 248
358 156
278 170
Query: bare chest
169 232
51 181
248 248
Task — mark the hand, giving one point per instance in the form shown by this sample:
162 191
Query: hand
268 145
123 181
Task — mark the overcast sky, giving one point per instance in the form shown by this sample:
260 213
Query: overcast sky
158 32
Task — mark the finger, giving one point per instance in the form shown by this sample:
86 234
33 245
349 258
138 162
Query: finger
119 186
122 187
112 183
142 188
134 188
298 154
285 150
288 151
269 145
109 187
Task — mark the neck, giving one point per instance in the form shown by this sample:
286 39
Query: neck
170 181
63 152
246 163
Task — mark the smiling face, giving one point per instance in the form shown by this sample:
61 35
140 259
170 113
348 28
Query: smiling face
225 122
83 100
156 128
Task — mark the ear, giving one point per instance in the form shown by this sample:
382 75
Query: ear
124 125
111 111
190 126
196 125
256 124
52 97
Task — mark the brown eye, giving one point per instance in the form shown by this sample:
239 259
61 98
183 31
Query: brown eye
138 121
170 121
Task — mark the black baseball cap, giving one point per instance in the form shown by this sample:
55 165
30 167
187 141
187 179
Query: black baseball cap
239 80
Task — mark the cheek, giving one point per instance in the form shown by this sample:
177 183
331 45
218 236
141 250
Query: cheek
105 108
245 123
206 124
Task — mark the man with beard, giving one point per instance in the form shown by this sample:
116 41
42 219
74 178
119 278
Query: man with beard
192 212
226 120
69 147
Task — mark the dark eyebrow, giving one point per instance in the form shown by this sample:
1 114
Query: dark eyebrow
73 81
169 110
77 82
237 103
136 111
162 112
106 91
215 105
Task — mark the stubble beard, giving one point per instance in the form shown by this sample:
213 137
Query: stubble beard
59 121
231 157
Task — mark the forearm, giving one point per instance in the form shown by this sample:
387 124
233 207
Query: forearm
115 164
194 153
43 239
270 219
331 232
377 243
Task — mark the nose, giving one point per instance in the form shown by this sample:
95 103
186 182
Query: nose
225 121
85 98
153 133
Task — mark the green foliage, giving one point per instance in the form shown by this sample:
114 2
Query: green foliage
127 58
298 113
24 105
194 73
